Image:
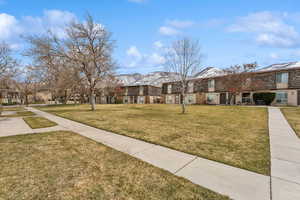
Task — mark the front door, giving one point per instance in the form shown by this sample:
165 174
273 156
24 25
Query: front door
223 98
135 99
131 99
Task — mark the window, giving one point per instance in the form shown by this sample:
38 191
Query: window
211 84
281 97
177 99
141 91
141 100
169 99
190 87
210 98
282 77
126 100
246 98
190 99
247 83
169 89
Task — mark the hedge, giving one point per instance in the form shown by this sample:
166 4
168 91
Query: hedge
265 98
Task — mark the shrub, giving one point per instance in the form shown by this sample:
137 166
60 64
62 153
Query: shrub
264 98
9 104
118 101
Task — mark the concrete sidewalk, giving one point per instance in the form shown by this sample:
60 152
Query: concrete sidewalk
285 158
10 126
235 182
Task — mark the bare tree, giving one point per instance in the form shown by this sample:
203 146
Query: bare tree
45 62
238 79
26 87
7 62
89 47
184 58
57 73
7 65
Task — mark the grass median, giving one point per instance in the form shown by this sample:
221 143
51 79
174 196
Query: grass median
39 122
233 135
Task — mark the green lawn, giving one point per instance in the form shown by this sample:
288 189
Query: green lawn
64 165
233 135
38 122
292 114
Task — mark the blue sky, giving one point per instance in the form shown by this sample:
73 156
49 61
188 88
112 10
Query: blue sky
230 32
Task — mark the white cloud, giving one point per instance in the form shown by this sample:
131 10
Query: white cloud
270 29
169 31
156 59
174 27
274 55
273 40
54 20
8 26
138 59
180 24
134 52
158 44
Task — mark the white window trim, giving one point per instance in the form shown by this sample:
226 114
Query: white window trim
190 87
284 93
169 88
281 77
211 84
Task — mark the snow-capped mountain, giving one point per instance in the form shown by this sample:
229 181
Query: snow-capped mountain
158 78
209 72
281 66
126 79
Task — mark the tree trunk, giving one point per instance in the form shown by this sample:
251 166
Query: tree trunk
183 108
1 108
232 98
66 97
26 100
183 103
92 101
75 99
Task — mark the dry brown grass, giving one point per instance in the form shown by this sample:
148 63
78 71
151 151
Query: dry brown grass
233 135
64 165
39 122
16 108
292 114
20 112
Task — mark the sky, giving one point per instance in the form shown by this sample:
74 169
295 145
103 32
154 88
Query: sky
230 32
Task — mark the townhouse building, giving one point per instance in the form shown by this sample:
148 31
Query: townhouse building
9 96
141 94
281 79
9 92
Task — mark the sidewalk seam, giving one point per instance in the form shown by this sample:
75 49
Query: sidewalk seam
185 165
